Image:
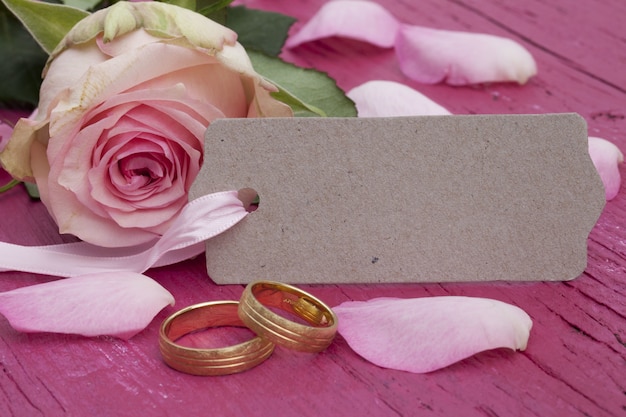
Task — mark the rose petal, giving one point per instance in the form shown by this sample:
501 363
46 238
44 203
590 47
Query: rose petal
125 43
14 158
129 71
606 157
360 20
109 303
69 68
388 99
5 134
431 56
424 334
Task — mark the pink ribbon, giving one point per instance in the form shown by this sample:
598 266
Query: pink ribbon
201 219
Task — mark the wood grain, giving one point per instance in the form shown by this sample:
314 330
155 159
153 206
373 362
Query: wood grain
575 364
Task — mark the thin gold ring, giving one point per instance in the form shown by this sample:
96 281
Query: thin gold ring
254 311
220 361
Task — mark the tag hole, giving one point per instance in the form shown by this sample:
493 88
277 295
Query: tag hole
250 199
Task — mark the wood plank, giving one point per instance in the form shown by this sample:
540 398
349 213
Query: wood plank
575 361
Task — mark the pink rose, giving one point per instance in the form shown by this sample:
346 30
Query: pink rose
125 102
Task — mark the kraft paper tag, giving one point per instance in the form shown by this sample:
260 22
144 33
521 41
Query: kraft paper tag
412 199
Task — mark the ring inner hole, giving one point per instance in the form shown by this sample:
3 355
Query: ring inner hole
216 337
293 307
213 327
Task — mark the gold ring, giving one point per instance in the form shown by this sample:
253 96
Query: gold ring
220 361
254 312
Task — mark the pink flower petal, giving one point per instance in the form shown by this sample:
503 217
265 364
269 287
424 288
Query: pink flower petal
389 99
424 334
5 134
606 157
361 20
431 56
109 303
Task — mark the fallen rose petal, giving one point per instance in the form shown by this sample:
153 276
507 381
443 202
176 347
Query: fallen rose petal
431 56
425 334
389 99
111 303
606 157
360 20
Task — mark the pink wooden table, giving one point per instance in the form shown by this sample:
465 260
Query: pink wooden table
575 364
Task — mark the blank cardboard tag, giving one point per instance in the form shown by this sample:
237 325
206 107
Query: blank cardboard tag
415 199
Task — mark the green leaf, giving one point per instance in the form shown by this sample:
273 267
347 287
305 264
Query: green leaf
82 4
212 5
187 4
259 30
215 10
47 23
21 69
310 93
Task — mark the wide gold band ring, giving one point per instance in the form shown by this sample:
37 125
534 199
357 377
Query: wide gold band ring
254 311
220 361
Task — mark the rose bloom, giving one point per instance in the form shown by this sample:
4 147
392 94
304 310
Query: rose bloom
127 96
